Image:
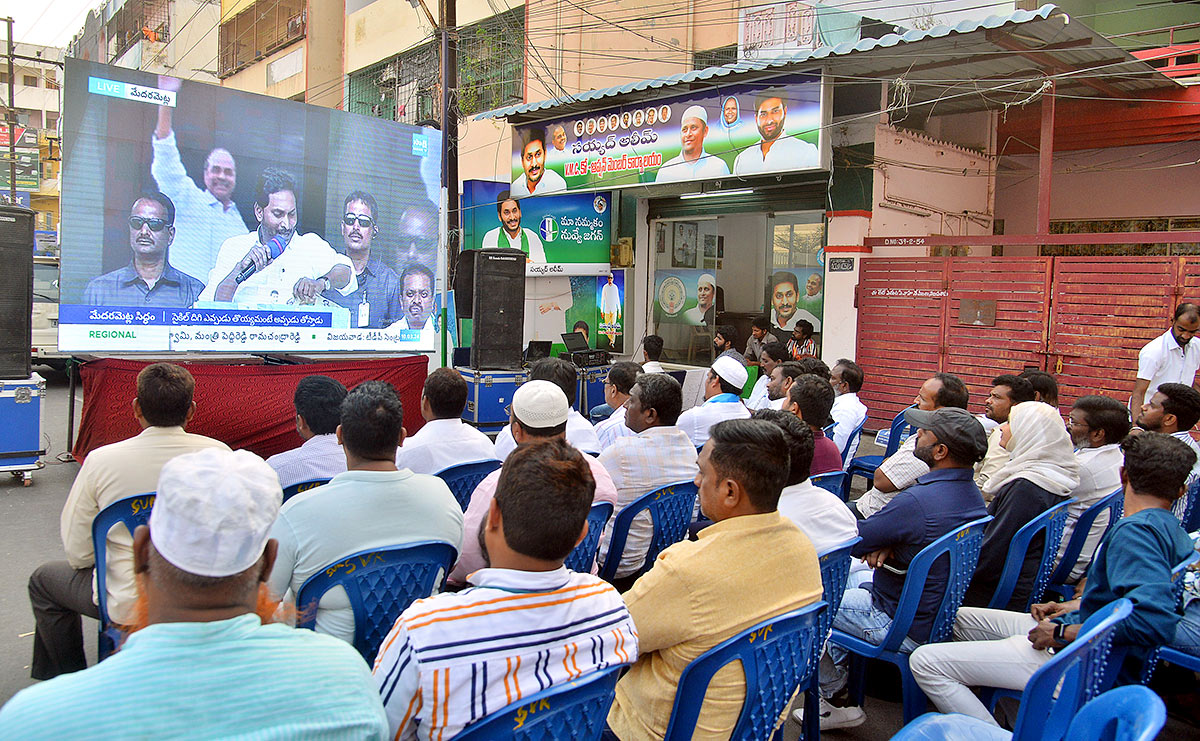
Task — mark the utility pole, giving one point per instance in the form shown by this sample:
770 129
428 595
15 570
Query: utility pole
449 31
11 116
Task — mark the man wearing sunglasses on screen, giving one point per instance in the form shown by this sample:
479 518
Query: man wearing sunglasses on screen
377 302
148 280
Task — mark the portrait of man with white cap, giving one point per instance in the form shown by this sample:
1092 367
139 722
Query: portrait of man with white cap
722 399
692 163
706 292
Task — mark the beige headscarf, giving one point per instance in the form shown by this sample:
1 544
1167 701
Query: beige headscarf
1040 451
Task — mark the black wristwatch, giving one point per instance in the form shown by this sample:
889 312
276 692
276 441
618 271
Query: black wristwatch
1060 633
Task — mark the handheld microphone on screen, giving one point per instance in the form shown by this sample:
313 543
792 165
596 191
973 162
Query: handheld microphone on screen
274 246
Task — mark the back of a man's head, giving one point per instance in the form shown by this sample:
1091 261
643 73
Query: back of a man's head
814 398
852 374
1020 390
446 391
539 410
752 452
799 439
777 351
372 419
623 375
653 345
544 495
663 394
318 401
164 394
953 392
815 366
560 373
1157 465
1043 383
1184 402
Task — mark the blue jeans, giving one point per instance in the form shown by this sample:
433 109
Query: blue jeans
861 619
1187 630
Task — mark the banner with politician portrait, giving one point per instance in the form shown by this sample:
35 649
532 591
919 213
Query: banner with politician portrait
685 297
739 130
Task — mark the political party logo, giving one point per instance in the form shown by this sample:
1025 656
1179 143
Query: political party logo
600 204
549 229
671 295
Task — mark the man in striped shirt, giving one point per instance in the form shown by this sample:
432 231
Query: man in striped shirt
525 624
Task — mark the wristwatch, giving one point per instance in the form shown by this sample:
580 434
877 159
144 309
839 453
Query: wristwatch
1060 633
325 280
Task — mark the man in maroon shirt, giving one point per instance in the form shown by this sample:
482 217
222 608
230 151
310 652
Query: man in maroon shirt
810 398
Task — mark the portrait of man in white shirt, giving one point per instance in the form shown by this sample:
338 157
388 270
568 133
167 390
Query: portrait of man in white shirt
776 151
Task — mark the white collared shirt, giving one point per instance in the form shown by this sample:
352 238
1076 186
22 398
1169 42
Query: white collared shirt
787 153
318 457
697 420
1162 360
1099 476
653 366
848 413
442 443
609 430
306 256
758 395
580 433
704 167
823 517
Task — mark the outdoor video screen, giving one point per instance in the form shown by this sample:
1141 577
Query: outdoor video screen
199 218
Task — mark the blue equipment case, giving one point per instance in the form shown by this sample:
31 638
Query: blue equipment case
591 388
21 420
489 396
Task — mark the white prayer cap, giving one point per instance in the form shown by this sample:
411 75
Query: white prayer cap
695 111
706 278
214 511
540 404
731 370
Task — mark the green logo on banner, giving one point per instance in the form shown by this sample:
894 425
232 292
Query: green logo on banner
549 229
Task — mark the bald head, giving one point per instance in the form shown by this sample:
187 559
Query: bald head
220 175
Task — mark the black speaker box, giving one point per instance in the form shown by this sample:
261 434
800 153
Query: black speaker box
498 309
16 292
464 283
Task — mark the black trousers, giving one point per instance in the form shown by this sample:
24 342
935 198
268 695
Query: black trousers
59 595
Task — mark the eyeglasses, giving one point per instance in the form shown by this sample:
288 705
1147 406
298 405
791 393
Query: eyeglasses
156 225
364 221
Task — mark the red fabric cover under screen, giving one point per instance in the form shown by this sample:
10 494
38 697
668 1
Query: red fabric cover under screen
244 406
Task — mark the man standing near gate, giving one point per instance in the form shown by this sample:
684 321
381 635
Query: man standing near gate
1169 358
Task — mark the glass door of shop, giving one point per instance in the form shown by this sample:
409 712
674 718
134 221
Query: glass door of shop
796 286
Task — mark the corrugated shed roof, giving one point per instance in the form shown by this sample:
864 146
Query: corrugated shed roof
973 65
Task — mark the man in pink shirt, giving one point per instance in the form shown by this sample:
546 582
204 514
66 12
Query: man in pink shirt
810 398
539 412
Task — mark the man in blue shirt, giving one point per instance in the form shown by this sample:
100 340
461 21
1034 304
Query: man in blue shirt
999 648
950 441
204 660
148 279
377 301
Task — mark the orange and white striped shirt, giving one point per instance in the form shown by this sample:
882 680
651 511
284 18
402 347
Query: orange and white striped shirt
453 658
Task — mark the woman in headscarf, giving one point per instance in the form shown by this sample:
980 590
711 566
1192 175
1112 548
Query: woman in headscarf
1041 472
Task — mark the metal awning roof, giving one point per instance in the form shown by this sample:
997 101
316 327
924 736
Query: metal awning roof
972 66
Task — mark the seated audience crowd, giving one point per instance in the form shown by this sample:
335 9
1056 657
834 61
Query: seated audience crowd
205 593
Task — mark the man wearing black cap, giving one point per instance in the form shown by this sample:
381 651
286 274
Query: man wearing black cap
950 441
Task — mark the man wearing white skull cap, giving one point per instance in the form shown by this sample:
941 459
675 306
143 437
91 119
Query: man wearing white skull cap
202 661
692 163
722 400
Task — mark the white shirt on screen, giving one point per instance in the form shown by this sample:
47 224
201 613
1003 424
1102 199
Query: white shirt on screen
678 169
1162 360
442 443
318 457
306 256
787 153
580 433
551 182
848 413
537 251
202 223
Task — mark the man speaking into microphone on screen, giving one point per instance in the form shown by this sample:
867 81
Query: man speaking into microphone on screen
274 264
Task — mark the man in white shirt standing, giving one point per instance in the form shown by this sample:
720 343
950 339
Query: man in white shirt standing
580 432
657 454
848 412
617 388
692 163
318 402
771 355
722 388
445 440
1097 425
536 180
1171 357
776 151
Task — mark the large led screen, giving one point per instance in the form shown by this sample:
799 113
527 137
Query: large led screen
199 218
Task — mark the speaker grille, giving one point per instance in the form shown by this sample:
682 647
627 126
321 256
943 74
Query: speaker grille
16 291
498 309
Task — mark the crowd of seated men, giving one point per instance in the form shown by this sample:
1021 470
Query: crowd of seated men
206 591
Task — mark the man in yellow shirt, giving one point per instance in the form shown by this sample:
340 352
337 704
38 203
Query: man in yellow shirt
700 593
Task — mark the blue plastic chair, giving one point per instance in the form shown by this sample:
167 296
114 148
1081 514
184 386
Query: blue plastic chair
380 583
583 555
295 489
131 512
961 546
850 441
1187 509
778 655
835 571
865 465
1053 695
1115 504
834 482
1050 524
1177 585
671 509
464 477
571 711
1131 713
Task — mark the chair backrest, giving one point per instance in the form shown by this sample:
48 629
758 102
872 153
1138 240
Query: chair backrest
1115 504
850 441
1187 508
583 555
777 655
1050 524
835 571
1130 713
896 432
961 546
1178 584
833 482
828 430
295 489
565 712
464 477
131 512
1076 674
671 509
380 583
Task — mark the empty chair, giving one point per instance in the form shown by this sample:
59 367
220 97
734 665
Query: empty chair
379 583
1114 504
131 512
671 509
835 482
464 477
295 489
1050 524
1131 713
865 465
777 656
583 556
1187 508
572 711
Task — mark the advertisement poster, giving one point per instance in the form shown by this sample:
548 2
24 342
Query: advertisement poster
797 308
684 297
684 253
743 130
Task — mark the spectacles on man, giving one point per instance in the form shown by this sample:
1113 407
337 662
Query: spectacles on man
363 220
156 225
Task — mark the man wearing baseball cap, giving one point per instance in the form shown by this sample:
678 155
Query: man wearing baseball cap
205 663
692 163
950 441
539 412
722 400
